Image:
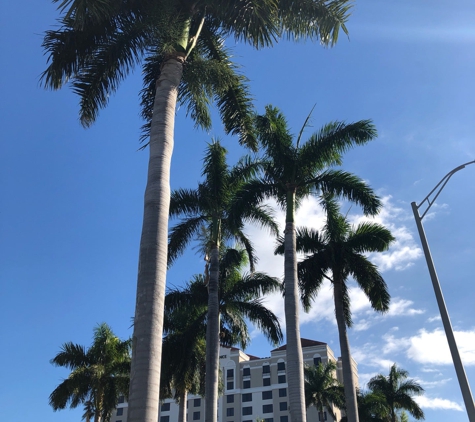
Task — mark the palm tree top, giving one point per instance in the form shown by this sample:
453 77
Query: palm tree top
398 391
304 168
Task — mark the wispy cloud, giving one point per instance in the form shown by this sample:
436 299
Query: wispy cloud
403 307
434 318
437 403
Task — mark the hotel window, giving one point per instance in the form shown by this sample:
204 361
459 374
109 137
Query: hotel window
196 416
266 395
266 369
120 411
284 418
266 382
320 416
281 379
283 405
282 392
230 398
246 372
246 384
247 410
246 397
196 402
267 408
230 385
165 418
230 373
317 361
281 366
230 411
165 407
121 399
269 420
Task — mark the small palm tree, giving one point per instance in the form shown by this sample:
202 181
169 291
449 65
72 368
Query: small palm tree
184 356
322 389
293 171
398 392
239 299
336 253
213 205
372 407
99 375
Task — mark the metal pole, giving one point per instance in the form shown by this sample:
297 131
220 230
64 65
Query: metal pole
459 369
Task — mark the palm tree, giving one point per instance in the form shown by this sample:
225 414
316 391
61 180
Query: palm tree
336 253
100 42
239 298
99 375
322 389
398 392
291 173
213 205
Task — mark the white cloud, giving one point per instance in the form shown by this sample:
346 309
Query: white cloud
434 318
432 384
430 347
436 403
402 307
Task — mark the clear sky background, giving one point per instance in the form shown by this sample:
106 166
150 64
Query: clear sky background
71 199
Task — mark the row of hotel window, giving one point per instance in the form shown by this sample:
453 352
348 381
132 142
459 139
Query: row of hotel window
247 383
246 372
322 416
266 395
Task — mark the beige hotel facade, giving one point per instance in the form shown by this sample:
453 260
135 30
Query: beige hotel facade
255 389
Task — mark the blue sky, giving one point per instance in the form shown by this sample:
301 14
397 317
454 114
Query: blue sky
71 199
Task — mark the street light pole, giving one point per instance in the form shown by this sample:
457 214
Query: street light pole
459 369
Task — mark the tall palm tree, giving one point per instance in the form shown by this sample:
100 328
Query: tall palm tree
99 375
398 392
213 205
99 43
292 172
336 253
322 389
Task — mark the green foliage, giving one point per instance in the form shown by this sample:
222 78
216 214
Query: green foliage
99 374
398 391
322 388
216 205
239 300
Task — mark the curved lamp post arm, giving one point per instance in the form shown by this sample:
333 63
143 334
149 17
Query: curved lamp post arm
443 182
459 369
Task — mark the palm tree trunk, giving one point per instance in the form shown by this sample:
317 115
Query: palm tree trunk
148 320
182 407
348 378
294 348
212 339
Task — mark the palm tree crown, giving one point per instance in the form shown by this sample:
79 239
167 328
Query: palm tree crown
99 375
398 392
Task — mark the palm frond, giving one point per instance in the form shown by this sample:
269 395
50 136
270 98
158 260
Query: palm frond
342 184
